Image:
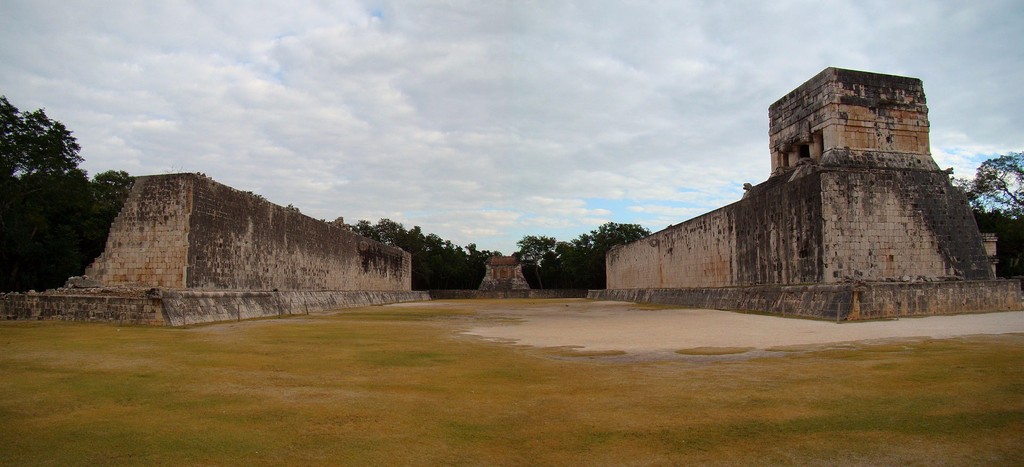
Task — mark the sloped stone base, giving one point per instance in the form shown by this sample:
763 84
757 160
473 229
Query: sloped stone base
468 294
840 302
64 307
184 307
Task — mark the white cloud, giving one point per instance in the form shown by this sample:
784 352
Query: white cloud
486 121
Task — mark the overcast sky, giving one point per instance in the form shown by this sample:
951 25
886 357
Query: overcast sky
483 121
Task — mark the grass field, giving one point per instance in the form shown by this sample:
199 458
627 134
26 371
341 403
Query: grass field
379 386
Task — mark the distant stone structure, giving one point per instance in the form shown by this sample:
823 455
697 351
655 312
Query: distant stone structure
504 273
991 240
854 206
186 249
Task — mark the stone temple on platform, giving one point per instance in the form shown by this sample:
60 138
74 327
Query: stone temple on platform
504 273
855 221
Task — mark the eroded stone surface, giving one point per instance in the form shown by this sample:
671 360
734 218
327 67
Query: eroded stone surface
855 195
854 198
186 231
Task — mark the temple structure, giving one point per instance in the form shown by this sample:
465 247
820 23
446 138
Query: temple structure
855 221
504 273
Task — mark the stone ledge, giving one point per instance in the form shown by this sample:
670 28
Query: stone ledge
840 302
466 294
118 309
185 307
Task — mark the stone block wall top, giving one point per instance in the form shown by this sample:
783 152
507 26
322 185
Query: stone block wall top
848 110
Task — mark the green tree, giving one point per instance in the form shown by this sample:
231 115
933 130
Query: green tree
592 248
996 194
537 253
1010 246
385 231
31 144
440 264
578 263
53 220
436 263
998 185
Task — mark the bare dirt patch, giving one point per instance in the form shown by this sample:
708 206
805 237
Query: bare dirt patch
661 332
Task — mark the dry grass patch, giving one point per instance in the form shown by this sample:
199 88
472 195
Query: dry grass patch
573 351
380 386
714 350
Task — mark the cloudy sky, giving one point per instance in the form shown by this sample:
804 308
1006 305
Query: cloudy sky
483 121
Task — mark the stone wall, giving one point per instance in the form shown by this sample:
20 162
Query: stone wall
839 302
890 224
772 236
861 206
840 112
110 309
148 242
467 294
919 299
187 307
187 231
818 224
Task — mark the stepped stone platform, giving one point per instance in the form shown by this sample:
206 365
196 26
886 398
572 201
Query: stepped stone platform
188 307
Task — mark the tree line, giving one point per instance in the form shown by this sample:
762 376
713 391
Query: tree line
547 263
996 194
54 220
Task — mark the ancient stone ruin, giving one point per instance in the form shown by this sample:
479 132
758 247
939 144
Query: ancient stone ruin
186 231
856 220
504 273
186 249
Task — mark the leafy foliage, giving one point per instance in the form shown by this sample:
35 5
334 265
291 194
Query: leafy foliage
53 219
996 195
538 253
32 144
576 264
998 185
1010 247
436 263
547 262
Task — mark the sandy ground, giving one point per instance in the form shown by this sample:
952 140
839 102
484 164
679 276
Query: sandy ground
603 326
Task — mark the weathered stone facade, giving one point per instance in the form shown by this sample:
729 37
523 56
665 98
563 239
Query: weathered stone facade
121 309
186 231
852 118
841 302
187 250
854 196
186 307
504 273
